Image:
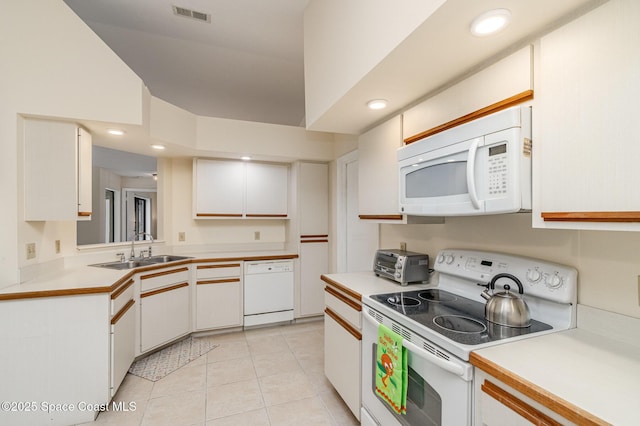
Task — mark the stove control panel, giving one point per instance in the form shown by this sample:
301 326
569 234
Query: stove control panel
540 278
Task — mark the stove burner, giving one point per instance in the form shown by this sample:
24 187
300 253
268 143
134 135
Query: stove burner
399 300
433 295
459 324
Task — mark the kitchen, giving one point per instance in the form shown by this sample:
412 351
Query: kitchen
605 258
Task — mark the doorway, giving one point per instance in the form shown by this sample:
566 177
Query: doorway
357 240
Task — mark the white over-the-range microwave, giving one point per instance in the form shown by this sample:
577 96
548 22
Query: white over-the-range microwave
478 168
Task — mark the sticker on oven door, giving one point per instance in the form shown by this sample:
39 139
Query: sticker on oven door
526 147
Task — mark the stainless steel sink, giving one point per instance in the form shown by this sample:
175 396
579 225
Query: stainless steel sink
164 258
130 264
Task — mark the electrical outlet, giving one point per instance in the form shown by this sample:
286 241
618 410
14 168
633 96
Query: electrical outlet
57 246
256 235
403 246
31 250
181 236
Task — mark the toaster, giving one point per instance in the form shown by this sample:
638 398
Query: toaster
401 266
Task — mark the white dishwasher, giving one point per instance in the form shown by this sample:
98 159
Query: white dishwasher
268 292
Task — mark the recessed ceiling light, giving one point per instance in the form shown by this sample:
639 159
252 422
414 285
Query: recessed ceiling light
377 103
116 132
158 147
490 22
245 158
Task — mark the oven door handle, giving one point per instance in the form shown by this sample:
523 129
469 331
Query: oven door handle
449 366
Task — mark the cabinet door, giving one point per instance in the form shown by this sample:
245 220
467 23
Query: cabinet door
267 190
313 198
50 170
314 261
585 162
342 362
218 188
218 303
378 171
164 315
84 174
122 344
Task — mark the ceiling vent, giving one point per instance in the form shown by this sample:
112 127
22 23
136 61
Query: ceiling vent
188 13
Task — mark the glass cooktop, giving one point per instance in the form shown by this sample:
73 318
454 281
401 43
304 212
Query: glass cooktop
455 317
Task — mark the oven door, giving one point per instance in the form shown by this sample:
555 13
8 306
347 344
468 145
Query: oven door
439 390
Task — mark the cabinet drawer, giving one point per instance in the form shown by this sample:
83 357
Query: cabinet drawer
219 270
347 308
162 278
121 296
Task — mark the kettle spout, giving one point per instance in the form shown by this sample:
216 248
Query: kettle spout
485 294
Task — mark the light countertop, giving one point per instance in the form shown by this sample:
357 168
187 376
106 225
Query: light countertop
579 370
85 279
367 283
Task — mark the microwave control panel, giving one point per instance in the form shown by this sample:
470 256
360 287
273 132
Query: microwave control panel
497 170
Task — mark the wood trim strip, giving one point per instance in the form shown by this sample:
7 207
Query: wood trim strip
220 281
84 214
122 311
218 214
163 273
498 106
355 333
314 241
525 410
626 216
225 265
246 258
164 290
121 289
380 216
341 287
344 299
315 236
55 293
564 408
265 215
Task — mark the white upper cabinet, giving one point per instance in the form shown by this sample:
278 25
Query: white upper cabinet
378 171
218 188
267 190
228 189
511 78
586 150
313 198
57 171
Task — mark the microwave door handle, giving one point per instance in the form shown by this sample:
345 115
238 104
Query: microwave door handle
449 366
471 175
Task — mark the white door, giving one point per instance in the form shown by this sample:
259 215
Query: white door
357 239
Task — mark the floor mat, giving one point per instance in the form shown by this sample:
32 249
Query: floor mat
157 365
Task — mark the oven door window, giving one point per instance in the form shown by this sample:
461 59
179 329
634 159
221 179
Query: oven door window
424 405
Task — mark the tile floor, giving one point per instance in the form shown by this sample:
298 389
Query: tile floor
265 376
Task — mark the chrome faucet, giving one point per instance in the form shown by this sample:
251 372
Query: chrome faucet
133 253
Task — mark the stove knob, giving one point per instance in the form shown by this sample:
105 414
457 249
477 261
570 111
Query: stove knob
441 258
553 281
533 275
449 260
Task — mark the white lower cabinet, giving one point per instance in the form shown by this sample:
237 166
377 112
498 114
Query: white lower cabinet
219 295
496 404
342 347
314 261
164 315
122 345
123 333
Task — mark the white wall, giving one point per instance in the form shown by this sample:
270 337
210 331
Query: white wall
607 262
362 33
52 64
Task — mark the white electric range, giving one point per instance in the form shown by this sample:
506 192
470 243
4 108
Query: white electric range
442 324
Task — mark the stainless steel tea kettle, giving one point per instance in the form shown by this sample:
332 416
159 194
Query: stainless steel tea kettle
506 308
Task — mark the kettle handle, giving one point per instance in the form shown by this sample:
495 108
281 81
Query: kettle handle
492 283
